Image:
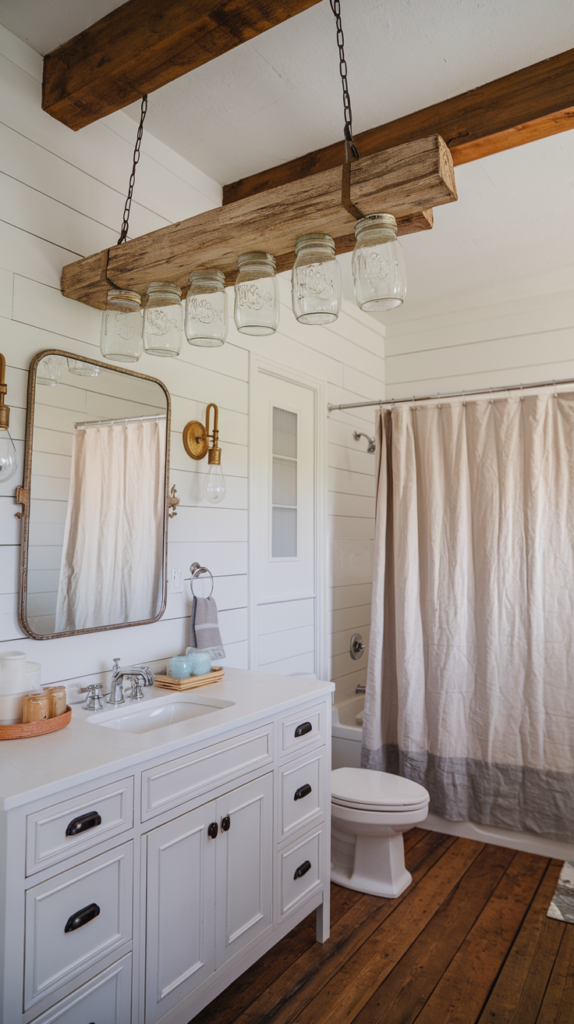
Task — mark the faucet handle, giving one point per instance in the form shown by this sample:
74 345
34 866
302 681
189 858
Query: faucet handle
93 701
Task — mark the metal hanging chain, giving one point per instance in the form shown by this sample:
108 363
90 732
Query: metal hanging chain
137 149
351 151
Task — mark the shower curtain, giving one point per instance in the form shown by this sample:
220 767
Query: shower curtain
112 558
471 667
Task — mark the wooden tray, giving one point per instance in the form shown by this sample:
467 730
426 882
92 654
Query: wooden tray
215 676
26 730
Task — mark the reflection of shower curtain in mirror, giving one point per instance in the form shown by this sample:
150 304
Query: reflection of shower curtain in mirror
469 687
112 556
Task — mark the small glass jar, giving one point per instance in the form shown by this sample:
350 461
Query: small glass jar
206 309
163 319
378 263
57 700
82 369
121 333
36 707
316 280
179 667
256 308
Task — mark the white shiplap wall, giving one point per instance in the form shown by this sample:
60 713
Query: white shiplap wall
61 196
483 344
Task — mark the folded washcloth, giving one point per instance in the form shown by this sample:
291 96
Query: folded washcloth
204 632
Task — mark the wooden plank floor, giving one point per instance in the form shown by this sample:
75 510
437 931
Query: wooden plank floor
468 943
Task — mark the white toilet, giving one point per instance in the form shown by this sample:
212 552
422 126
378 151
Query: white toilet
369 812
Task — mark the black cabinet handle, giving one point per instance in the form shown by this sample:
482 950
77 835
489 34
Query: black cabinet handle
82 917
212 830
302 791
83 823
302 869
303 729
225 823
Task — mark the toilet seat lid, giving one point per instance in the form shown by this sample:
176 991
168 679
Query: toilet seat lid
364 788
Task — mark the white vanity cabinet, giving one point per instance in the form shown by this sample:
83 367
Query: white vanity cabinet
138 898
209 891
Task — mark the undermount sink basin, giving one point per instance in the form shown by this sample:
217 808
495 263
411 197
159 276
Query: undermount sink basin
158 716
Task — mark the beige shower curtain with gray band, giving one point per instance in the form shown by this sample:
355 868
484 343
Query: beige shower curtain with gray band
470 687
112 558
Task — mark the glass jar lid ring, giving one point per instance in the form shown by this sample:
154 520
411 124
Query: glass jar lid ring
314 238
255 257
381 220
207 273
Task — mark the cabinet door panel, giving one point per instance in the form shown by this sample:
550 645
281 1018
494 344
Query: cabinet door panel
180 918
244 865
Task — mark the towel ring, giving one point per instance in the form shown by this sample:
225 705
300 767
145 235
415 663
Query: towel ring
196 570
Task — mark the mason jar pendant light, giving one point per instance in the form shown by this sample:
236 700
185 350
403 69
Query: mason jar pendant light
206 309
378 264
316 280
122 324
256 309
82 369
163 319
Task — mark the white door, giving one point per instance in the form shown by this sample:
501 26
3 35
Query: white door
285 481
244 862
180 923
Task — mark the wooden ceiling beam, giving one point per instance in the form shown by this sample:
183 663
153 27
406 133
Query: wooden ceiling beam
406 181
144 44
529 104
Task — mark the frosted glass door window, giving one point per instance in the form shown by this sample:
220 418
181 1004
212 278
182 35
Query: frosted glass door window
284 485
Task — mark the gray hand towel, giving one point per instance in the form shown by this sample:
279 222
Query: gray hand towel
204 632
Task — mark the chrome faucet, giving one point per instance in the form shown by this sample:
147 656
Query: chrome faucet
142 676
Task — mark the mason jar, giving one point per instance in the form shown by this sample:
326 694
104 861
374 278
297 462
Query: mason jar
256 308
163 319
378 264
316 280
82 369
122 324
206 309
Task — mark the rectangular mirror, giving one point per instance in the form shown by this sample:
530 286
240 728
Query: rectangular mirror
94 519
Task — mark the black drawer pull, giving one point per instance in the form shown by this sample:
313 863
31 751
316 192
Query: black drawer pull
82 917
302 791
83 823
212 830
225 823
303 729
302 869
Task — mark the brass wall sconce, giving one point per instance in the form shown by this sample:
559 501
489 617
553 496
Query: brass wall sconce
196 441
8 458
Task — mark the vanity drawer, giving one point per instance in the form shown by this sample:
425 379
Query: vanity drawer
106 999
93 901
64 829
169 785
302 729
300 871
301 792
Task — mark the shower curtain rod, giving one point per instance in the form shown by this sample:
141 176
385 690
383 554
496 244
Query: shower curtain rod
124 419
451 394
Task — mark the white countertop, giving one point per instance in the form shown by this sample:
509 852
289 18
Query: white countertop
84 751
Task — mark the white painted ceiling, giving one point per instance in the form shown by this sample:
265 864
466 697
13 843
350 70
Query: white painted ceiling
279 96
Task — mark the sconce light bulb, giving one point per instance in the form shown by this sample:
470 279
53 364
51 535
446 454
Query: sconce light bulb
8 457
214 487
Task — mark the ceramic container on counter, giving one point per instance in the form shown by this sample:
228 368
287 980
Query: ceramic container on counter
200 663
179 667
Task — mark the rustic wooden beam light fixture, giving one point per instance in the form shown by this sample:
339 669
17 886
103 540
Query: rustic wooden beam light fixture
406 181
145 44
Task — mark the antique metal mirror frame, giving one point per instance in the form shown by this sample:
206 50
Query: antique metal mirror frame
23 495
